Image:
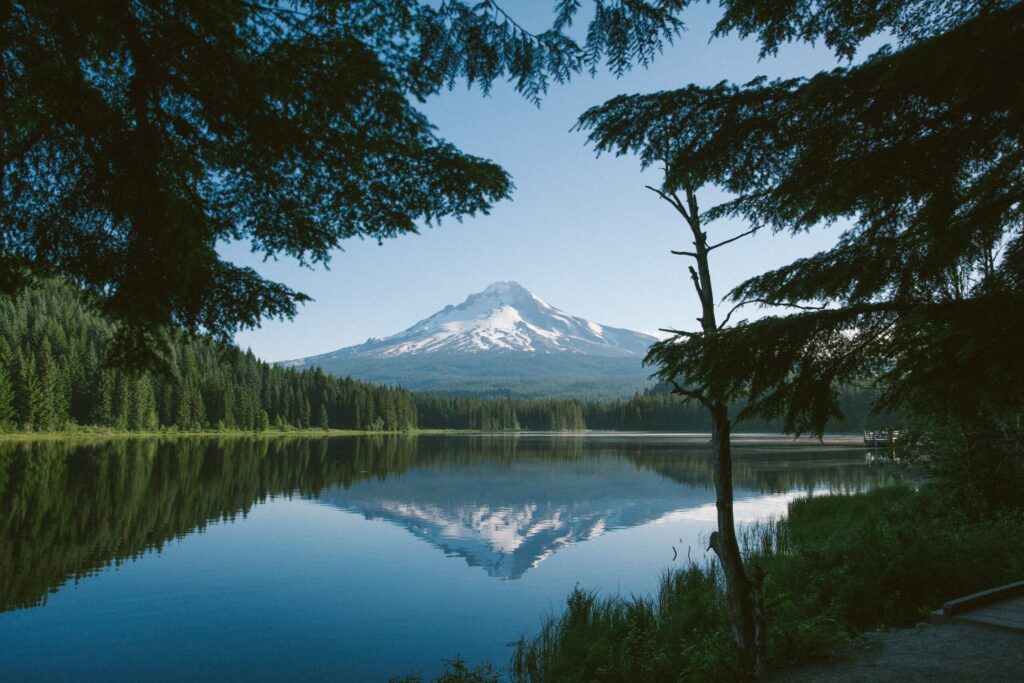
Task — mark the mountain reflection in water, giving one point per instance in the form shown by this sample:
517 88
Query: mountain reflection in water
503 503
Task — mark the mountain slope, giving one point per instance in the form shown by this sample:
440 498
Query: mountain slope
504 340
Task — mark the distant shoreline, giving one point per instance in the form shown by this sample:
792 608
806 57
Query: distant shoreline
97 433
102 434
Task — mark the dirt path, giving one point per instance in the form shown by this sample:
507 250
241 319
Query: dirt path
928 653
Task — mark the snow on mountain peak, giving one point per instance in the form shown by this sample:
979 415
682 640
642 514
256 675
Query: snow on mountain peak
502 288
504 317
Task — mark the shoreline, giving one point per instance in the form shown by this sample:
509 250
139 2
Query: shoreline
104 434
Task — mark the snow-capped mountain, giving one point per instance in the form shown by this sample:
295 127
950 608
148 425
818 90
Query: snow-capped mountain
502 340
504 317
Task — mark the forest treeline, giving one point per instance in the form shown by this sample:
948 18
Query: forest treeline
52 376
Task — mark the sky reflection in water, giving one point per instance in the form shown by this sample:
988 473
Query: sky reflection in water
348 558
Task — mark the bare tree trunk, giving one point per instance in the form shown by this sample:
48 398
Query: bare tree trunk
739 589
743 593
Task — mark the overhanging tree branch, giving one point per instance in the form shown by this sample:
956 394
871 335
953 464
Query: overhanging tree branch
766 302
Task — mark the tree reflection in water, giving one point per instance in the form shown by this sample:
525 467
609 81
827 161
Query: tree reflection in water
70 509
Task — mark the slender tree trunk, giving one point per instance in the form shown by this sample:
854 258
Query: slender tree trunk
739 589
743 591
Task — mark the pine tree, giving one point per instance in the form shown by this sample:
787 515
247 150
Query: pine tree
306 415
105 398
53 403
8 415
143 408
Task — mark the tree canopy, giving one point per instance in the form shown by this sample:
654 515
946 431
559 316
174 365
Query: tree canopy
919 153
138 135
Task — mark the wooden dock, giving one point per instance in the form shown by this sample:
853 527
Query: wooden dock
1008 614
1001 608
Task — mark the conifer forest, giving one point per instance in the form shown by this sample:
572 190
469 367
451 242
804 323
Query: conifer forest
53 375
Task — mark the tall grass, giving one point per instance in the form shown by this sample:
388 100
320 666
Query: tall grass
836 566
887 557
682 629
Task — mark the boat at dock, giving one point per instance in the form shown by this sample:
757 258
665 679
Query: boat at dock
876 439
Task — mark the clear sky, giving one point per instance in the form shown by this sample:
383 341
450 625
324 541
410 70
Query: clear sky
579 231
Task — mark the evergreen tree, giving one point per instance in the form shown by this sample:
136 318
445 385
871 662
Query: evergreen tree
143 410
306 415
924 148
312 100
123 401
53 412
105 398
8 414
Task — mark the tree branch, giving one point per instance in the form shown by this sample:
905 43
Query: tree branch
766 302
689 393
696 283
674 201
508 17
691 201
683 253
733 239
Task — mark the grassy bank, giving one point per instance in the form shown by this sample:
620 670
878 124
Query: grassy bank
836 566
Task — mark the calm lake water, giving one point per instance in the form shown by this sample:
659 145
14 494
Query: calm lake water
352 558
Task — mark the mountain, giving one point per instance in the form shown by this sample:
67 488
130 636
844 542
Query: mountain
504 340
504 317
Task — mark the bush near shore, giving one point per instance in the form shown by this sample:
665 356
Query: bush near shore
836 566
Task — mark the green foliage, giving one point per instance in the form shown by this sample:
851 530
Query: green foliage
980 471
7 411
919 151
884 558
141 135
682 632
842 25
836 566
56 378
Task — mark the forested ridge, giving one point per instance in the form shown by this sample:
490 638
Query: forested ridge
52 376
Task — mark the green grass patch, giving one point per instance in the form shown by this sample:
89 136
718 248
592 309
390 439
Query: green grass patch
836 566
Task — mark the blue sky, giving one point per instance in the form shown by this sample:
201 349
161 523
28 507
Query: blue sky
580 231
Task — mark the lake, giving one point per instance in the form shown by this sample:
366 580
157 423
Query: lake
350 558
